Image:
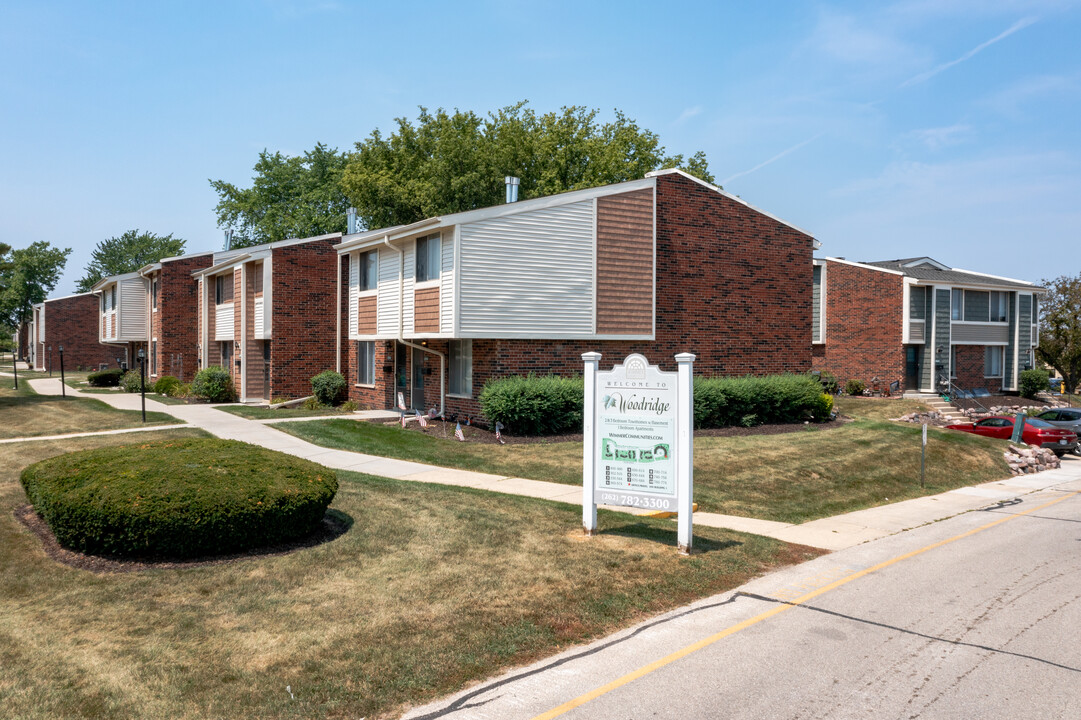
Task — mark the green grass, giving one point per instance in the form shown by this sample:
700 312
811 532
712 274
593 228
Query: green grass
83 387
794 477
27 414
264 413
431 589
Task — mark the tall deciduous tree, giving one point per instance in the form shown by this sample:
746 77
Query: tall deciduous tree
290 197
1060 328
27 277
449 162
127 253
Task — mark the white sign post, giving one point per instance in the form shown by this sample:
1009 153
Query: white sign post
638 449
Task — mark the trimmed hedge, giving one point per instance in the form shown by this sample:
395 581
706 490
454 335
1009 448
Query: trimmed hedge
328 387
532 405
131 382
105 378
166 384
183 498
214 384
1034 381
747 401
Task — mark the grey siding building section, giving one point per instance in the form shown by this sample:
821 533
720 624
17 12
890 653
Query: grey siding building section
927 359
816 305
940 358
1024 319
1009 376
917 303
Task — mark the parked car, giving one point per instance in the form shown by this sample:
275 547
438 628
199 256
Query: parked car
1066 418
1037 432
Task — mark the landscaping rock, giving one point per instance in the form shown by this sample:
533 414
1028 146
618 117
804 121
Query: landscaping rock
1030 459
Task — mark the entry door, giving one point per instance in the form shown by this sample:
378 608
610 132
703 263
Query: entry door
912 367
266 370
418 379
401 373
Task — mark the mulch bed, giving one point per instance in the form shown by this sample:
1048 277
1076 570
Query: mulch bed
332 527
996 400
476 434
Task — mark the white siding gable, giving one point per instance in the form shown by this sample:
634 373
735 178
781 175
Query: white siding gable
388 293
132 311
354 292
529 274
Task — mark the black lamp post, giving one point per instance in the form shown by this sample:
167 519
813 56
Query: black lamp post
142 379
50 361
15 365
63 385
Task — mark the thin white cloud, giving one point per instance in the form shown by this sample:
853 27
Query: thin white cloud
924 76
689 113
773 159
940 137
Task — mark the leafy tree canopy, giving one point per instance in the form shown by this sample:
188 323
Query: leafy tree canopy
291 197
27 276
450 162
128 253
1060 328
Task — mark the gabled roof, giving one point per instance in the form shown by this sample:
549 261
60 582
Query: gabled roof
928 270
100 284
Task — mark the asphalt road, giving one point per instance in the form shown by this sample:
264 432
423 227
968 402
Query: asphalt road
978 616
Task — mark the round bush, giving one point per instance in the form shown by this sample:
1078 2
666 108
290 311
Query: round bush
105 378
328 386
214 384
165 384
182 498
855 387
131 382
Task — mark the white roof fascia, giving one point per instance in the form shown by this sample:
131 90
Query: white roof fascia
865 267
294 241
977 286
66 297
222 266
185 257
350 242
994 277
100 284
147 269
730 196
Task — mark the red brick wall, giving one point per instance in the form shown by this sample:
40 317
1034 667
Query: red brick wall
73 323
302 343
864 316
24 340
970 367
176 322
733 287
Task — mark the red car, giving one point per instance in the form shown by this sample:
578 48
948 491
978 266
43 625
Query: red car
1037 432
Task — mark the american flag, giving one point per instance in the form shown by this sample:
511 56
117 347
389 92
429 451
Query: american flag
401 401
458 432
421 419
498 435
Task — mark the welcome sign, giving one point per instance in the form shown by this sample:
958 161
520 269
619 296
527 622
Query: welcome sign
638 446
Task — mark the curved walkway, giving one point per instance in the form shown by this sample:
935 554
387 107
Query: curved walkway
834 533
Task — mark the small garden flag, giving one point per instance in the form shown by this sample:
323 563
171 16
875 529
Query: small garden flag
458 432
498 435
421 419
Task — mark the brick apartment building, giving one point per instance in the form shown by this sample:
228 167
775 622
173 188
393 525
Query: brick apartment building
658 266
67 322
267 314
172 304
122 315
919 322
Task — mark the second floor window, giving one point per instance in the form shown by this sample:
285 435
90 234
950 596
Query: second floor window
428 258
369 270
223 289
154 293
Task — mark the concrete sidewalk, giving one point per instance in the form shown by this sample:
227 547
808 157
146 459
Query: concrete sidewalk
834 533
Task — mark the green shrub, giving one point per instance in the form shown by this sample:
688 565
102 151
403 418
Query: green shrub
214 384
105 378
180 390
746 401
829 382
313 403
1034 381
349 406
165 384
131 382
131 500
534 405
855 387
823 409
328 386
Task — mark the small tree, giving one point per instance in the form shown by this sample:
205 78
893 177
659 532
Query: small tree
27 276
127 253
1060 328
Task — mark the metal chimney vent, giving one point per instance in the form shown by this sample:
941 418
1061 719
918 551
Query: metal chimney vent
351 220
512 188
228 239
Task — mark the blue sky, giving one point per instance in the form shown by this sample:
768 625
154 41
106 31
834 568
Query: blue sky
923 127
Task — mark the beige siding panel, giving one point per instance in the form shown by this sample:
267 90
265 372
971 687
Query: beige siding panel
257 318
529 273
223 321
625 264
979 334
426 302
132 301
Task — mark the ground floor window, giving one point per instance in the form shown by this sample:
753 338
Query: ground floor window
227 354
953 362
366 362
460 381
992 362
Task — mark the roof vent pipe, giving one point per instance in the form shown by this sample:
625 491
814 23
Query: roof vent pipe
351 220
512 188
228 239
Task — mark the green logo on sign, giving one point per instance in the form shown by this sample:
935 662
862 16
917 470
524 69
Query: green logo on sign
612 451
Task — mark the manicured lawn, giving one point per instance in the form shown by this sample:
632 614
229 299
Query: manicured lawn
430 589
27 414
793 477
264 413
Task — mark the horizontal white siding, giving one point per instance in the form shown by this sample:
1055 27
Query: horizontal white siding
132 302
223 321
387 308
354 291
410 285
257 320
530 273
446 285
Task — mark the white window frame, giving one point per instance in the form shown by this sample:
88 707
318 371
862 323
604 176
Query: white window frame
460 369
368 364
366 260
990 353
154 294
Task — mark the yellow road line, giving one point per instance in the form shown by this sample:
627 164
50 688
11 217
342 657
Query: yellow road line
706 642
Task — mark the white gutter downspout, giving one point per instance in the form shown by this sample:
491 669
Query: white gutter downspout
401 327
338 322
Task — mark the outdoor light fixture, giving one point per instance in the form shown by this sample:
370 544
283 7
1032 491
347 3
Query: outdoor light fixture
63 385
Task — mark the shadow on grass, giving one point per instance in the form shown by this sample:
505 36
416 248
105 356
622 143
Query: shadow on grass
666 536
335 523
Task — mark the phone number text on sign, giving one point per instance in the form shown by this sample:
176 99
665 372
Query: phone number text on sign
638 501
